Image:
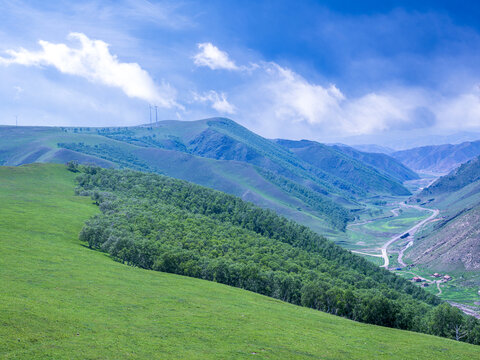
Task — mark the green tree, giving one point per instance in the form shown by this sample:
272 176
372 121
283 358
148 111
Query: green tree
72 166
446 321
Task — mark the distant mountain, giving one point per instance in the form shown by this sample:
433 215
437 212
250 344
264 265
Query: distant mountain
454 241
385 164
340 164
439 158
217 153
372 148
465 175
407 139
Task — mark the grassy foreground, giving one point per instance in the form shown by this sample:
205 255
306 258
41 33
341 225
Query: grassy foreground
60 300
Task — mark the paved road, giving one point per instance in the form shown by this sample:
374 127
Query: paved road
410 231
364 253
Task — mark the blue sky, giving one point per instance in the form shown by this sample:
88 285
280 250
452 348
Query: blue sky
323 70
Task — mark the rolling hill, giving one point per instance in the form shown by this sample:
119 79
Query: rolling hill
59 145
371 148
61 300
439 159
217 153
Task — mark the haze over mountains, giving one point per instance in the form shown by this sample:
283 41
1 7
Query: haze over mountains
403 140
437 159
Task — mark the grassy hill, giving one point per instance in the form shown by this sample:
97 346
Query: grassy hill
60 300
223 139
22 145
217 153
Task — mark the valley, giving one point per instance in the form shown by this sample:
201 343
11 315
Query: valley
237 180
388 236
322 187
182 198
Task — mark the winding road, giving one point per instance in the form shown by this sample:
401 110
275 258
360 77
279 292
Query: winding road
410 231
438 287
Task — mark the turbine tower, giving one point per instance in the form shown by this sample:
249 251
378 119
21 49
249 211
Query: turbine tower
156 116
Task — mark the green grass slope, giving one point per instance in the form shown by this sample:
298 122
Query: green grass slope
60 300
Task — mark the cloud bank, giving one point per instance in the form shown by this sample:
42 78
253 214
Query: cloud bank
93 61
279 97
273 98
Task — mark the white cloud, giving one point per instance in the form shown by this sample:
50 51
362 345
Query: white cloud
213 57
93 61
276 98
218 101
295 98
278 101
376 112
284 103
461 111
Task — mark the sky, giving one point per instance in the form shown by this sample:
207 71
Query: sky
333 71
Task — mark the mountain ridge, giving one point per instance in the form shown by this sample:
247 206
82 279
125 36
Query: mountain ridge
439 159
454 240
215 152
